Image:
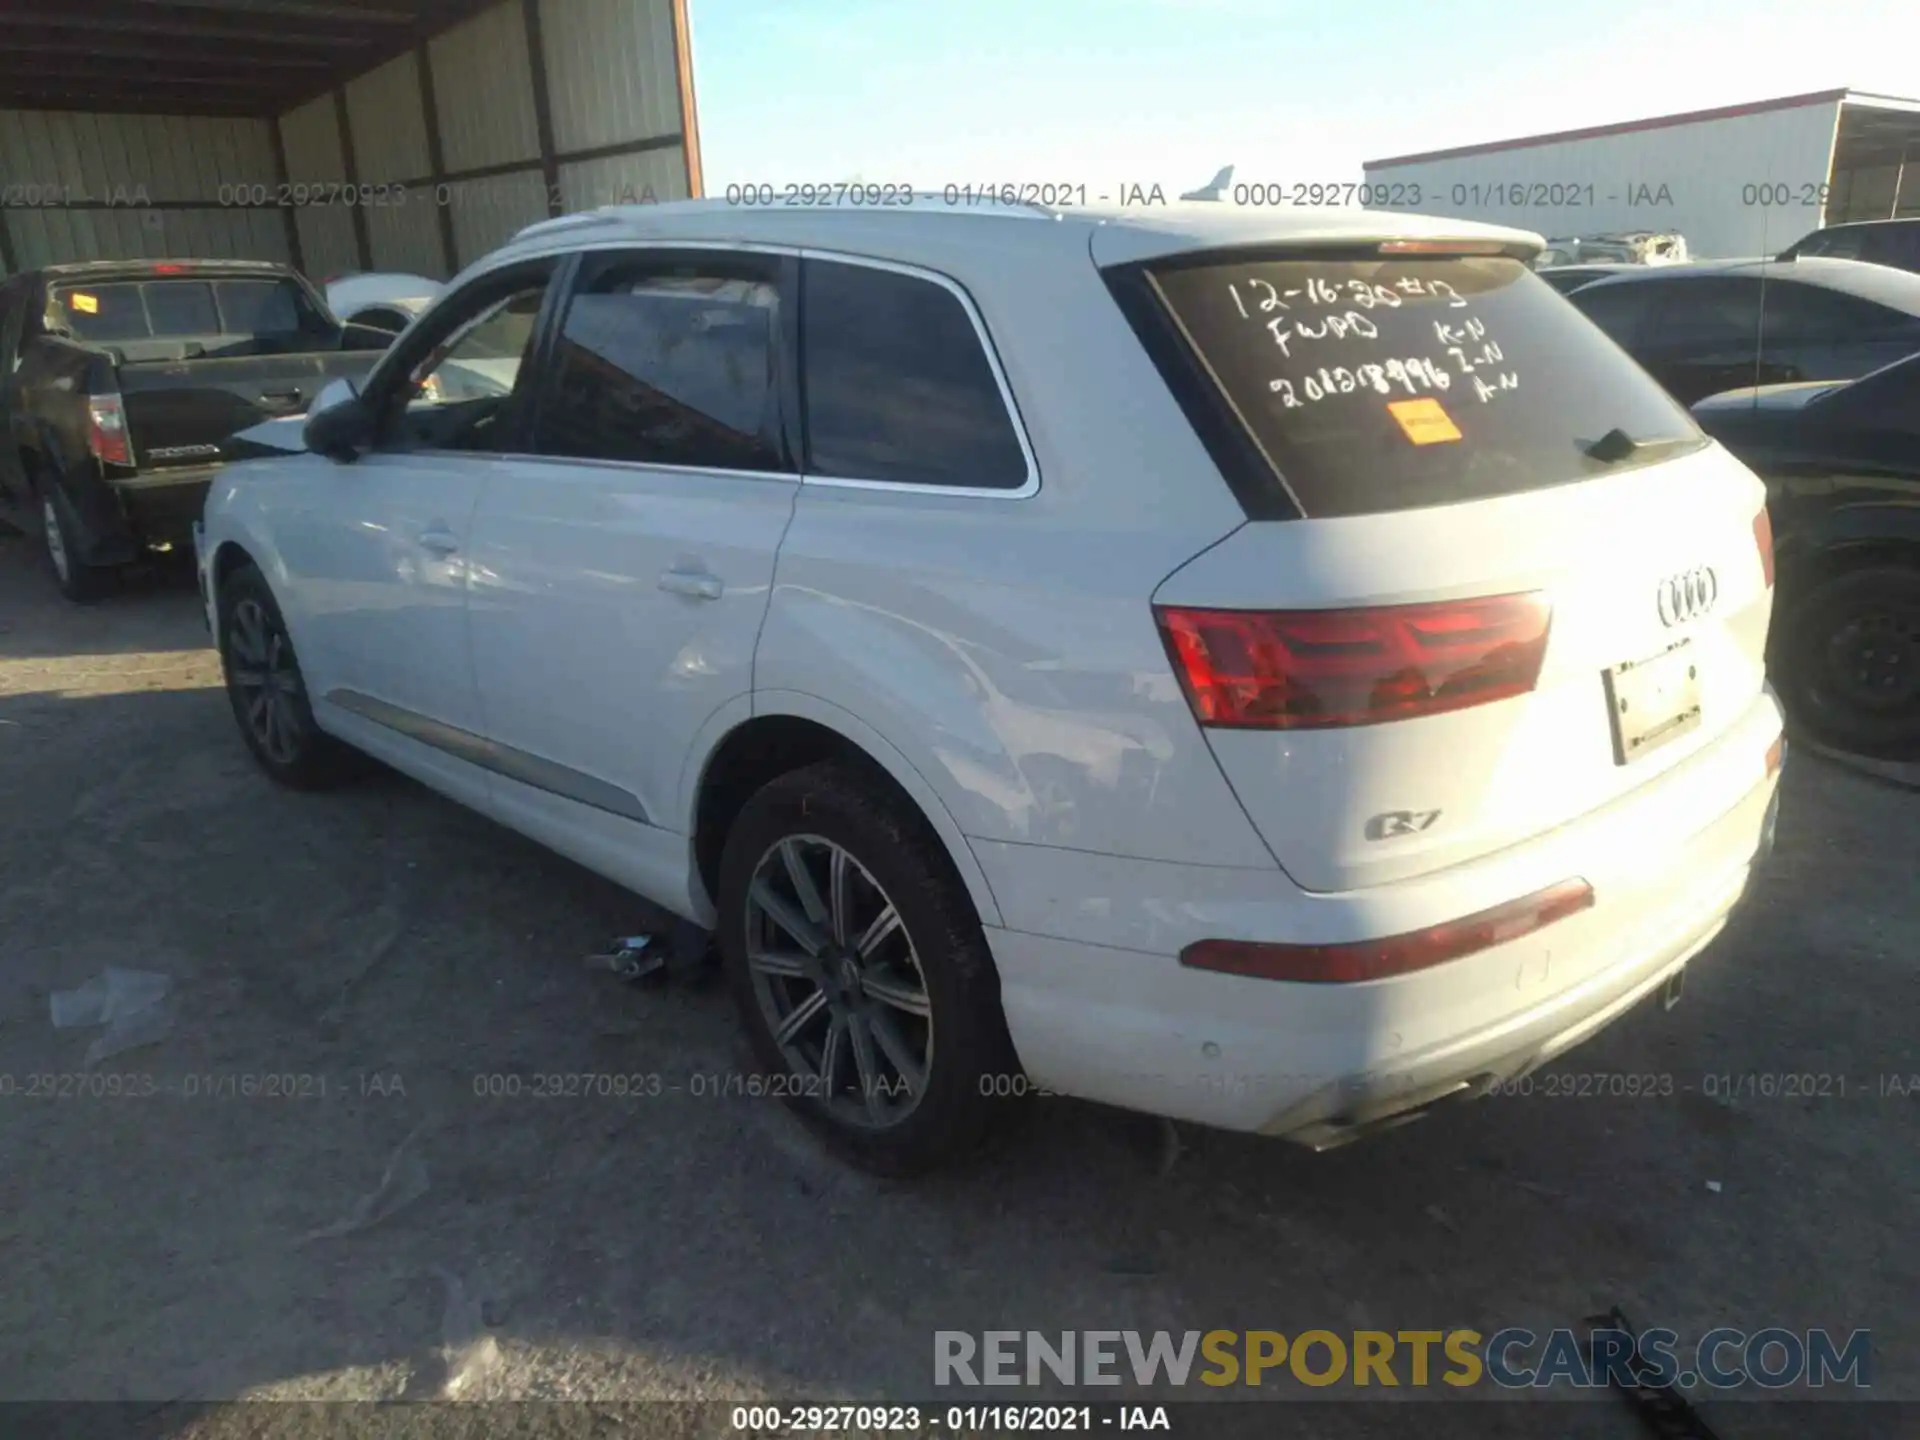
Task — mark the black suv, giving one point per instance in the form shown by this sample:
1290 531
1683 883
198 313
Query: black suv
1879 242
1725 324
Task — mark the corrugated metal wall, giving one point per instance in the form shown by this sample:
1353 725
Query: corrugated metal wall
610 71
431 192
483 89
612 83
311 138
1702 179
116 187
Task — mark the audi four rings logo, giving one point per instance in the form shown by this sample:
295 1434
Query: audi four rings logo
1688 596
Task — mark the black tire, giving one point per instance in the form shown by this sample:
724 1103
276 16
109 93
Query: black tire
267 692
1851 662
59 530
902 860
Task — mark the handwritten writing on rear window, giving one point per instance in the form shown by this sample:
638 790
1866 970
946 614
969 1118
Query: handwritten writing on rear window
1300 318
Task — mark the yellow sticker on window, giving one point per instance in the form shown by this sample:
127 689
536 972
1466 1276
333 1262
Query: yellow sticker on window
1424 421
84 303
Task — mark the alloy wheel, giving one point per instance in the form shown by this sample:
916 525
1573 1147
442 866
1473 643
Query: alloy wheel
261 669
839 982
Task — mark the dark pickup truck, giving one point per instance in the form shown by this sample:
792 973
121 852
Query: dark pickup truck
120 379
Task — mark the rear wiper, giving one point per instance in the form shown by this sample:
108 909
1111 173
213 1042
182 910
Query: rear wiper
1617 445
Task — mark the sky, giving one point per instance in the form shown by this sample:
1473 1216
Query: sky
931 92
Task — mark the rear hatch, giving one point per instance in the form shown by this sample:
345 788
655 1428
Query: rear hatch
1495 578
199 355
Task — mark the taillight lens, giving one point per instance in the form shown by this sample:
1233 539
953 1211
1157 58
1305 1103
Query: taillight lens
107 430
1396 954
1311 669
1776 755
1763 540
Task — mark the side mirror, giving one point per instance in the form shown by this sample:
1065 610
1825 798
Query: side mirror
339 423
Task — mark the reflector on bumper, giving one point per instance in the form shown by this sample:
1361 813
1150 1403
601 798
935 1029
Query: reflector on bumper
1392 955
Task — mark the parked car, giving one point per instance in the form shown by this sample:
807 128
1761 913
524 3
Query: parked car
384 301
1720 325
1144 657
1879 242
1630 247
1568 278
120 379
1842 466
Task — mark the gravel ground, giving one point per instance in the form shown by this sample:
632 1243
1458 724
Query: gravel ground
392 951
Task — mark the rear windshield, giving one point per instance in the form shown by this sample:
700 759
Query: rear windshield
1391 384
186 307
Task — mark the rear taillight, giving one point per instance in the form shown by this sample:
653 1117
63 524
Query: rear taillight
1311 669
1776 755
107 430
1763 540
1396 954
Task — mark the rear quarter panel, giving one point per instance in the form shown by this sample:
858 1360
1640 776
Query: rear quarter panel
1007 647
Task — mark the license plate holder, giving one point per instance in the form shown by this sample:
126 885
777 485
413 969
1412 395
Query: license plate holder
1652 702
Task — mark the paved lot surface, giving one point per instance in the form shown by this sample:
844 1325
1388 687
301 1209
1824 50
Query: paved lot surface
395 951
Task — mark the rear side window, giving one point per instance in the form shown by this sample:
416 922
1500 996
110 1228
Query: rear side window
898 384
1897 245
1383 384
1841 244
668 365
1809 315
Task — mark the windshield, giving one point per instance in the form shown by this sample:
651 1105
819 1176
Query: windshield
1390 384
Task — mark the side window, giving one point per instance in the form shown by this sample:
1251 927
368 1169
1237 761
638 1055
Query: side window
481 359
1716 315
1616 309
669 361
1895 245
456 382
898 384
1808 315
1889 399
1840 244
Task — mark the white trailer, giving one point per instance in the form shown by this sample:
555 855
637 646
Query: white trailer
337 135
1744 180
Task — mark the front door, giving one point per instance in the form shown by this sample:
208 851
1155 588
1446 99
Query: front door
380 567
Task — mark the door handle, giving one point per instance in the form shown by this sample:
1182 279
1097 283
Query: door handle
281 399
439 539
694 583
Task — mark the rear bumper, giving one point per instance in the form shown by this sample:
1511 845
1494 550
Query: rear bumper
1323 1063
162 506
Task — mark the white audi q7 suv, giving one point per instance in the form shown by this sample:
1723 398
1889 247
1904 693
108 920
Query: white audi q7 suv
1275 671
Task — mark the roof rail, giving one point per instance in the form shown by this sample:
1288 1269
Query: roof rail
561 223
